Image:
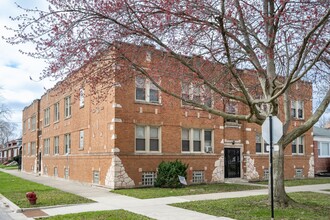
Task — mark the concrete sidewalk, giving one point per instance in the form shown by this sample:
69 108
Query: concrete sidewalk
157 208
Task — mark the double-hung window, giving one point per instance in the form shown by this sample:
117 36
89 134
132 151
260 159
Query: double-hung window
298 145
33 148
200 94
56 112
297 109
147 139
145 90
46 116
46 146
323 149
81 139
196 140
33 122
56 144
67 143
67 107
261 145
231 108
81 98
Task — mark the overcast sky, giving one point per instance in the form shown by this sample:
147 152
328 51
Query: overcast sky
18 90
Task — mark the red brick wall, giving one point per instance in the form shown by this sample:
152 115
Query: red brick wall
111 124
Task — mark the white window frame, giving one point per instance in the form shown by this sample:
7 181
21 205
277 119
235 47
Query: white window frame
81 98
296 106
202 140
81 139
147 138
300 141
46 146
196 93
46 116
263 144
56 112
33 148
67 143
67 107
56 145
33 122
29 123
321 152
29 149
147 86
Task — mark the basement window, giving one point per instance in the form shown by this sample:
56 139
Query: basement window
96 177
266 174
198 176
148 178
299 173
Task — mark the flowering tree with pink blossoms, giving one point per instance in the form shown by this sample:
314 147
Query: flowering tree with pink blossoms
281 43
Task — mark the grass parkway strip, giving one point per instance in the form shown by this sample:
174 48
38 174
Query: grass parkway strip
309 206
15 188
148 193
100 215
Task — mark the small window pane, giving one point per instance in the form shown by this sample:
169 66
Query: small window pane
197 146
140 132
140 94
154 96
258 147
325 150
185 145
185 134
154 145
208 138
140 82
140 144
197 134
153 132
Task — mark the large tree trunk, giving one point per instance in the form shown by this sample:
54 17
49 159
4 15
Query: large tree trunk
281 199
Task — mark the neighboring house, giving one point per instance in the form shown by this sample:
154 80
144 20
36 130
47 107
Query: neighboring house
10 150
120 141
321 145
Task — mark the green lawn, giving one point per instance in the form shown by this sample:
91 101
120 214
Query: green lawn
100 215
299 182
14 188
11 167
310 206
147 193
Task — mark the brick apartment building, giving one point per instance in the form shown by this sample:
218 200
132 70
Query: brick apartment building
120 141
10 150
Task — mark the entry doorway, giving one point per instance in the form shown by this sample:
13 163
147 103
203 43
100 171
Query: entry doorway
232 163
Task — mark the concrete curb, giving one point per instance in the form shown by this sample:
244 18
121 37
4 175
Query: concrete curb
9 203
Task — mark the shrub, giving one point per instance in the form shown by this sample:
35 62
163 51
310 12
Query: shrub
168 172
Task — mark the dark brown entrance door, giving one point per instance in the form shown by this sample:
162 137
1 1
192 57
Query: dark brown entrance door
232 163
